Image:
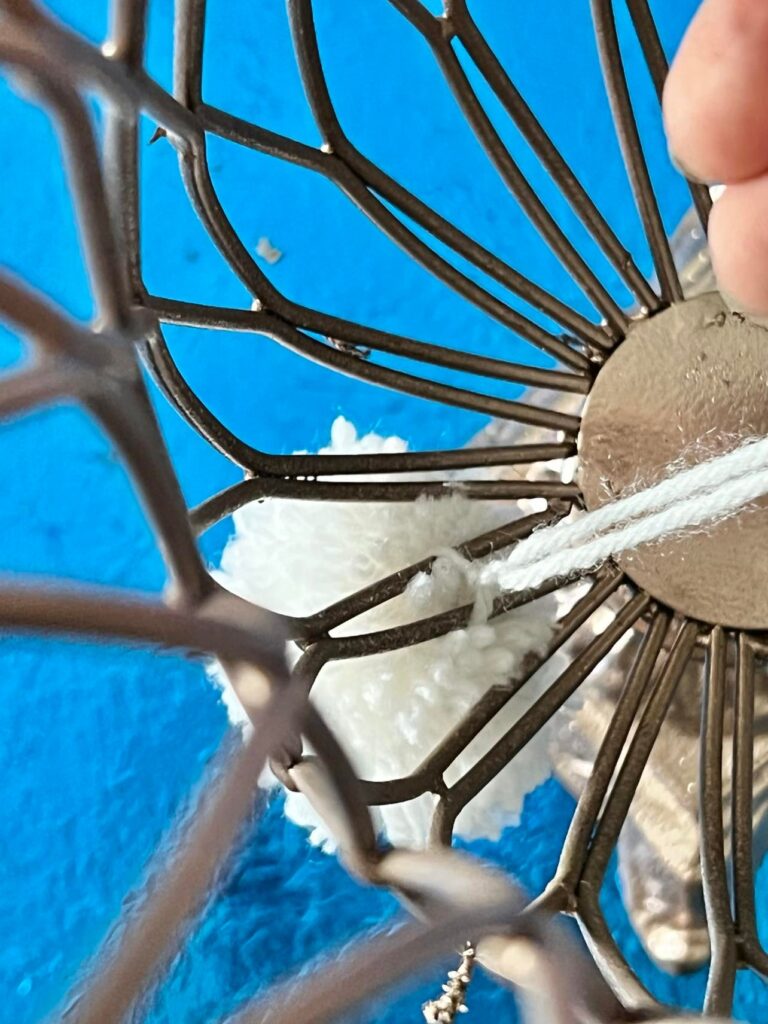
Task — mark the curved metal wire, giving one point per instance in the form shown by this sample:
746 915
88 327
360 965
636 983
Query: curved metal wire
99 367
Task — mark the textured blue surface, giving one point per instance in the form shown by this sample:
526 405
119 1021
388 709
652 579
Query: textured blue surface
100 746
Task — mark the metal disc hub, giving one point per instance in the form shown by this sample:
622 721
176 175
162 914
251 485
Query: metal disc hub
687 384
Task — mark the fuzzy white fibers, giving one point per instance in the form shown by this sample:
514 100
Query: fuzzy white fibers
390 710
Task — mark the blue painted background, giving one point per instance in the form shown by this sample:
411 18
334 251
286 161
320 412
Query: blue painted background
100 746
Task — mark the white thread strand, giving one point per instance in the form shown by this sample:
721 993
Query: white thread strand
686 483
705 493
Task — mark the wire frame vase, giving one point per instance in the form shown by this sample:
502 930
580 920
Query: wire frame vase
452 897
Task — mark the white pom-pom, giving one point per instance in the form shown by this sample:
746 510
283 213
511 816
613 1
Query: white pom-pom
391 710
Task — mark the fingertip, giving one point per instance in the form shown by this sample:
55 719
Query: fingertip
738 239
714 110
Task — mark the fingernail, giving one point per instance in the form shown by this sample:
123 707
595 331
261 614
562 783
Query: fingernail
737 306
686 172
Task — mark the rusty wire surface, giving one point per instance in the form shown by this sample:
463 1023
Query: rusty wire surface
98 365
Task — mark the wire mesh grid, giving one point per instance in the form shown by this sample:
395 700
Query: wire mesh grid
98 365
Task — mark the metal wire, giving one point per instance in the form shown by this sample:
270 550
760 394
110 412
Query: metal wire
99 367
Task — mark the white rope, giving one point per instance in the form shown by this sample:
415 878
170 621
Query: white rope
689 498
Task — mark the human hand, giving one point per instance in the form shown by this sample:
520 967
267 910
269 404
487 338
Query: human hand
716 116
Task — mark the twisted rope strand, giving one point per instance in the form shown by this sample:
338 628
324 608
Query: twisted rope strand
705 493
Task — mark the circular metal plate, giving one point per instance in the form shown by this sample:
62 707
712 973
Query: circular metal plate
686 384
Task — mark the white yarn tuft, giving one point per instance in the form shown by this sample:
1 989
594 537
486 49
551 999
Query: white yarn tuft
391 710
706 493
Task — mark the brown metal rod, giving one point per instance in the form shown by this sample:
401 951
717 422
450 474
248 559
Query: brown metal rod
653 51
494 73
305 45
590 916
507 168
714 873
742 808
494 700
576 844
223 504
632 150
338 987
250 321
257 462
197 178
28 389
103 613
180 884
504 750
346 164
210 211
394 584
622 792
